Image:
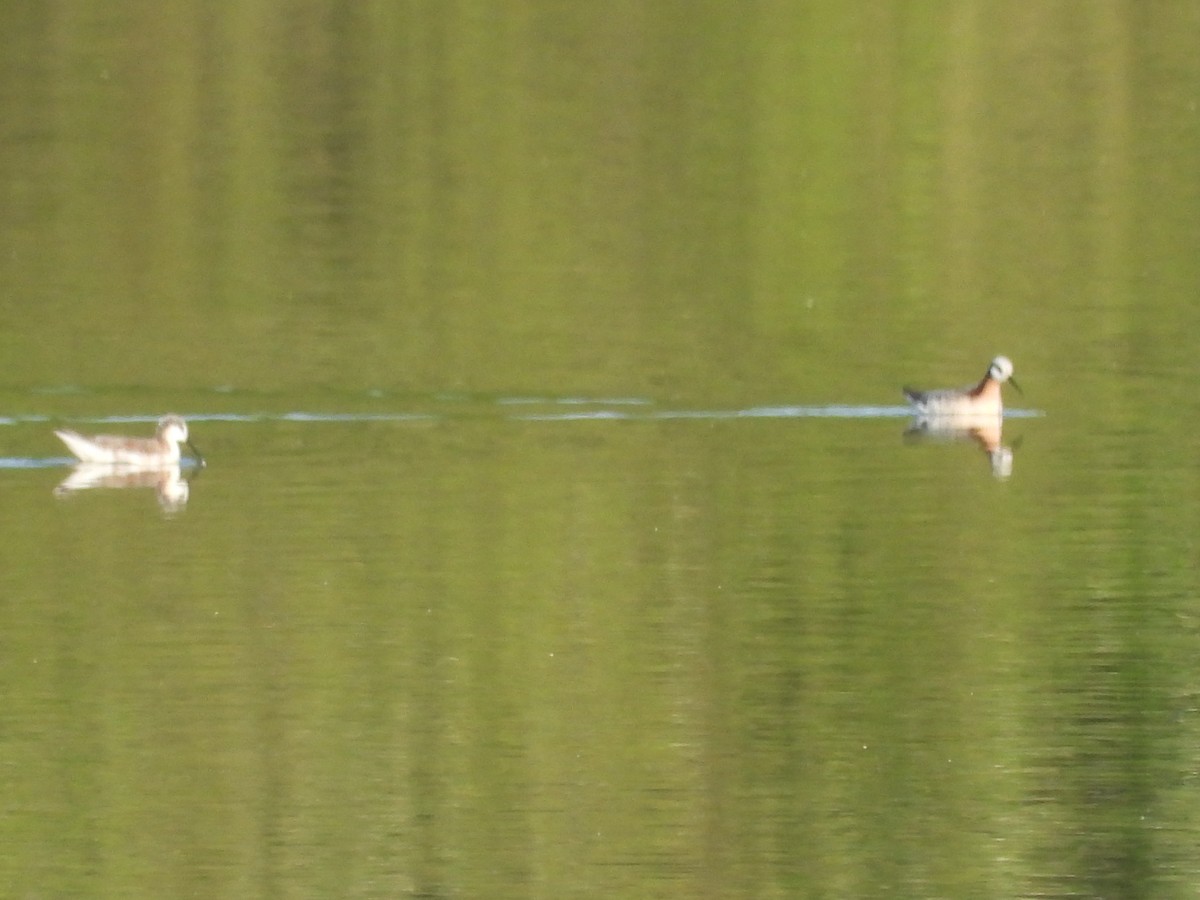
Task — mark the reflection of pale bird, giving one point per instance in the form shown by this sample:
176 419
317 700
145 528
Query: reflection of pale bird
167 481
160 450
982 399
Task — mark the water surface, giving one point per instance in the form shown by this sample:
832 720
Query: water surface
560 534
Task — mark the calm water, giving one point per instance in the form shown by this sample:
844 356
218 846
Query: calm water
560 535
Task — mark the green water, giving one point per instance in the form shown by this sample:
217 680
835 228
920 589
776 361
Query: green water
559 536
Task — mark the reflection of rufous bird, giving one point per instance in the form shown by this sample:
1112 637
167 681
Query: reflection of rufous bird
160 450
982 399
983 429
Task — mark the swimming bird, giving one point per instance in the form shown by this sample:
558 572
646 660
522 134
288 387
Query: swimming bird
113 450
981 400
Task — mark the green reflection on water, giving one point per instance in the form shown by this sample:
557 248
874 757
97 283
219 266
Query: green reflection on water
465 654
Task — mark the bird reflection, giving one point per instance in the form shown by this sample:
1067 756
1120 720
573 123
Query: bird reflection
984 431
169 485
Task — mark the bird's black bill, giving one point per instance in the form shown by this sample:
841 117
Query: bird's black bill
200 459
1013 382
